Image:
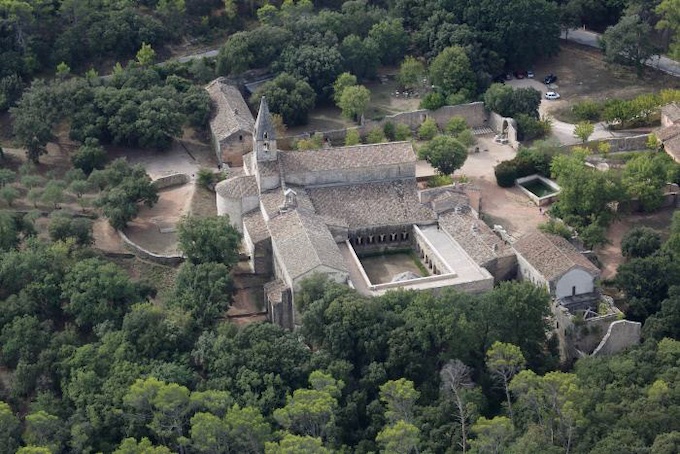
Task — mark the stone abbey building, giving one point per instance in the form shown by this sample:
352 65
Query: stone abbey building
321 211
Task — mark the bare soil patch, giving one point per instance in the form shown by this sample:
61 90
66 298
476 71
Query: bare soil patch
154 228
584 75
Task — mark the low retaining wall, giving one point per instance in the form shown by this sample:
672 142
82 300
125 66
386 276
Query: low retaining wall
168 260
176 179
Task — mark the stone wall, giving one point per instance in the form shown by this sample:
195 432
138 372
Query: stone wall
474 113
502 268
633 143
234 147
168 260
176 179
620 335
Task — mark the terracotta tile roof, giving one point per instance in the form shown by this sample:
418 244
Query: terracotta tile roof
347 157
672 111
551 255
232 113
237 187
372 204
475 237
254 223
304 243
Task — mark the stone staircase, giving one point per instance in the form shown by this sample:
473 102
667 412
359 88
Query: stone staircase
482 131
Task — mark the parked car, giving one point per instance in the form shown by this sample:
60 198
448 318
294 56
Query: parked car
530 74
550 79
508 76
499 79
520 74
552 95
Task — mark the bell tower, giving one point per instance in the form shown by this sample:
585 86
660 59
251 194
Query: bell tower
265 134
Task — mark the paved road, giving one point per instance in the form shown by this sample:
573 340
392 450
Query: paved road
588 38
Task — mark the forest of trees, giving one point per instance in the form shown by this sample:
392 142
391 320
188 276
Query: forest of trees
314 42
92 361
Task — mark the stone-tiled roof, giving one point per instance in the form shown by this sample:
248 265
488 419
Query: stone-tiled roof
450 200
372 204
668 132
266 168
303 243
237 187
473 235
670 136
672 111
254 223
551 255
232 113
353 157
274 199
672 147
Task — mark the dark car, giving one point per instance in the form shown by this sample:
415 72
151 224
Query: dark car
500 79
550 79
520 74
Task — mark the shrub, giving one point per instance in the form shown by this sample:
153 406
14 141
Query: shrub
352 137
428 129
556 228
402 132
456 125
390 130
432 101
439 180
466 137
376 135
506 174
587 111
206 178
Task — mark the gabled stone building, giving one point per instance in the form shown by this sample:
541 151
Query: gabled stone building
231 125
586 321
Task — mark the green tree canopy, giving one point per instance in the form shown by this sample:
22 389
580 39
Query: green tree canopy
288 96
209 239
445 153
450 72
